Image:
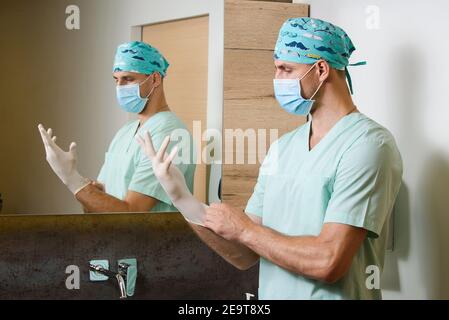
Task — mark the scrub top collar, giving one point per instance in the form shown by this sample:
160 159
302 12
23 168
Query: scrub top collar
341 124
138 128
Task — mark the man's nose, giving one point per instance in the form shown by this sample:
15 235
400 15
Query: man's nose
279 74
276 74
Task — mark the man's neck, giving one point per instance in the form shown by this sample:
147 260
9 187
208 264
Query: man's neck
327 113
155 104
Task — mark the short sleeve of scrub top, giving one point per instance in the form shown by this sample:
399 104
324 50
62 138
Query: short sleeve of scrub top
364 186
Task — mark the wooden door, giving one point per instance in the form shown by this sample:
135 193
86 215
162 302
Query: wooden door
184 43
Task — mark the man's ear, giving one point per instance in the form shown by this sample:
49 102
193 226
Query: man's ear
157 79
323 69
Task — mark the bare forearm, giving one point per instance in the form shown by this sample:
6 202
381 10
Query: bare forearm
307 255
235 253
95 201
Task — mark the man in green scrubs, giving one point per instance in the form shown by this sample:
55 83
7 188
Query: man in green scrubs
126 182
318 218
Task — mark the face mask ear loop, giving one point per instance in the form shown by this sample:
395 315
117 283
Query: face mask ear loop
319 87
308 71
145 80
152 89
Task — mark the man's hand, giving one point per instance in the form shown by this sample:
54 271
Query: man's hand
227 221
63 163
172 179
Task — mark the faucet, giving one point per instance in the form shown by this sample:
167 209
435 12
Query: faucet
120 276
123 274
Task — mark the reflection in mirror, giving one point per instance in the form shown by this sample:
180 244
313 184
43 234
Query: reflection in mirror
69 138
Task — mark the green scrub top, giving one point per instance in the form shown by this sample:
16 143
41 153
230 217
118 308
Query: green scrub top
127 168
352 176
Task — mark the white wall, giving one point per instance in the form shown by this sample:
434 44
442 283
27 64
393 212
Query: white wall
64 80
405 88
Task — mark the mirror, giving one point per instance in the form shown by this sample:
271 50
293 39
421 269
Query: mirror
59 67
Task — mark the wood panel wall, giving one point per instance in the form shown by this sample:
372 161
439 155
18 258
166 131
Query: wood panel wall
250 32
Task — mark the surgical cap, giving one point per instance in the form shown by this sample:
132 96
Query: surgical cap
306 40
139 57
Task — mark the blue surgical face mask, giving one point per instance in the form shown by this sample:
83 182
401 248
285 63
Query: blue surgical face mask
288 94
129 98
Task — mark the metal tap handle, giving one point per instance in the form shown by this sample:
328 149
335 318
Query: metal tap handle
122 286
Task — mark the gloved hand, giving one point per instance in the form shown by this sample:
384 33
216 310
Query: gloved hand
172 179
63 163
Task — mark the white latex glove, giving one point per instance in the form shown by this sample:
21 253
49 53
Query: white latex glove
63 163
172 179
